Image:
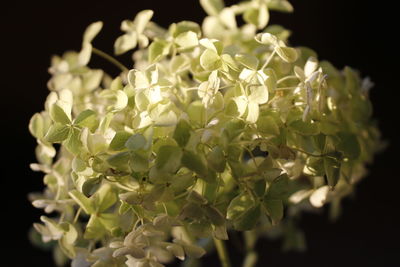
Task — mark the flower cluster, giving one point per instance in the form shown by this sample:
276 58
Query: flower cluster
218 128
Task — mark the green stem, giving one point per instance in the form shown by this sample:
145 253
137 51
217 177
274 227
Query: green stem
109 59
268 60
222 253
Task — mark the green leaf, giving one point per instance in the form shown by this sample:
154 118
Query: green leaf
216 159
182 133
278 188
87 119
332 170
267 125
169 158
136 142
249 219
195 197
275 209
214 215
158 49
349 145
57 133
210 60
119 141
195 163
212 7
239 205
85 203
304 128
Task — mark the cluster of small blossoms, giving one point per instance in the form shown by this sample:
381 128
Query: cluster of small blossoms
218 128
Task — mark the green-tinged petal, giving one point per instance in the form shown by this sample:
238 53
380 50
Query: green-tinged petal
249 61
85 203
87 118
288 54
119 140
210 60
169 158
187 40
57 133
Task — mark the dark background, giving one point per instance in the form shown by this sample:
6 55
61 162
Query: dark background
347 32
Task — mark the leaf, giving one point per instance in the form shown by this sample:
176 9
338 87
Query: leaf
57 133
177 251
214 215
238 206
168 158
267 125
158 49
87 119
187 40
119 141
195 163
278 188
84 202
249 219
304 128
210 60
349 145
136 142
182 132
216 159
275 209
195 197
212 7
332 170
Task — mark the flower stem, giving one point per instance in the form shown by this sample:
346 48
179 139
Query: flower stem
268 60
109 59
222 253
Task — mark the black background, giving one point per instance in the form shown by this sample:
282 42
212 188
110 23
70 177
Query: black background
347 32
